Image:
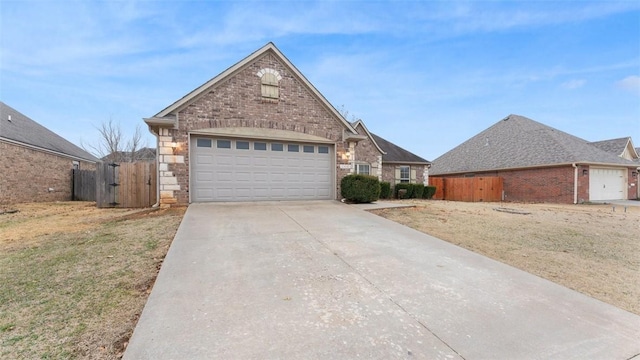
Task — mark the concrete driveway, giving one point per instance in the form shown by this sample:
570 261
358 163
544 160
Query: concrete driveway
325 280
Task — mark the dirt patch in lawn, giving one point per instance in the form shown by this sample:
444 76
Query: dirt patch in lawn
589 248
75 278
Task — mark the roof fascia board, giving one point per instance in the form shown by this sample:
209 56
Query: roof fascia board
632 149
270 46
29 146
162 122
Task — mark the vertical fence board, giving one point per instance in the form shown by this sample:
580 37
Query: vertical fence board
136 185
468 189
439 184
84 185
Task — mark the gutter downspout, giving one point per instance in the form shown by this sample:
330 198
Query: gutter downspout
575 183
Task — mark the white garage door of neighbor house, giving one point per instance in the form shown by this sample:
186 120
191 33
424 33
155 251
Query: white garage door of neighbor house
606 184
249 170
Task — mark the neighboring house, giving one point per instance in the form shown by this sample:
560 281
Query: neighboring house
37 163
541 164
622 147
144 154
258 131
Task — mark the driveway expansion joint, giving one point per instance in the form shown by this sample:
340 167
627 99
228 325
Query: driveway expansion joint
370 282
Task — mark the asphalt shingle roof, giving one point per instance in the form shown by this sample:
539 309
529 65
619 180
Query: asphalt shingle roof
519 142
24 130
395 153
614 146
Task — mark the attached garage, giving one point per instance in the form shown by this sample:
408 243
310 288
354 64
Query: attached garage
240 169
607 184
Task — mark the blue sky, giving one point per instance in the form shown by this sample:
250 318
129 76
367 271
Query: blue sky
425 75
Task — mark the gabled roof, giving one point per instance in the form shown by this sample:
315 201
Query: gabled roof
169 112
518 142
617 146
18 128
395 154
357 123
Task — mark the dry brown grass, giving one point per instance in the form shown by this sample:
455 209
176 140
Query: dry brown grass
588 248
75 278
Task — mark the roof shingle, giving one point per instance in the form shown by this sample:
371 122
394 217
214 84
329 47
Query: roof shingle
20 128
396 154
519 142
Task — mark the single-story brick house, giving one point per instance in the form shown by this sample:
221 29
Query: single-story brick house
261 131
37 163
541 164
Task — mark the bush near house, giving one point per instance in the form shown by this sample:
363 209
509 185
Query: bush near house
385 190
360 188
413 191
429 191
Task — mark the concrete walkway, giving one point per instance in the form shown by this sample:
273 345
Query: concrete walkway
325 280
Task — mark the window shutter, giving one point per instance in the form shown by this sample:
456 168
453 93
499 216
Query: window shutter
413 175
397 175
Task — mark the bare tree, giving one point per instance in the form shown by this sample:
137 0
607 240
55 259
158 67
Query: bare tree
345 114
113 145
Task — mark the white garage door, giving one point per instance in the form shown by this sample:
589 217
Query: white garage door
249 170
606 184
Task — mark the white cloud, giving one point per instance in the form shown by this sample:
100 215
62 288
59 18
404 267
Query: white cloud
574 84
630 83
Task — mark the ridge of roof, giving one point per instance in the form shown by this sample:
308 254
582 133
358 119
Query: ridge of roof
19 128
395 154
519 142
270 46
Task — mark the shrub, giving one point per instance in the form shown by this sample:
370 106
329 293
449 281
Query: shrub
429 191
418 191
360 188
385 190
406 194
410 191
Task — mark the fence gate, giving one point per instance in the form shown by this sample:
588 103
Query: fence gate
126 185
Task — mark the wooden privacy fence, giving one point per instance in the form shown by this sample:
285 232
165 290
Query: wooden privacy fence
126 185
84 185
473 189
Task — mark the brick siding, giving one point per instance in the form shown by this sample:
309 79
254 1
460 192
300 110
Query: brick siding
553 185
550 185
237 102
27 175
367 152
389 173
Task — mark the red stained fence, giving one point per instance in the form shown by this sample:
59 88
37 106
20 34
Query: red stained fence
473 189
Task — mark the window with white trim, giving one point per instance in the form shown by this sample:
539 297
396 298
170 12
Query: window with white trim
364 169
405 174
